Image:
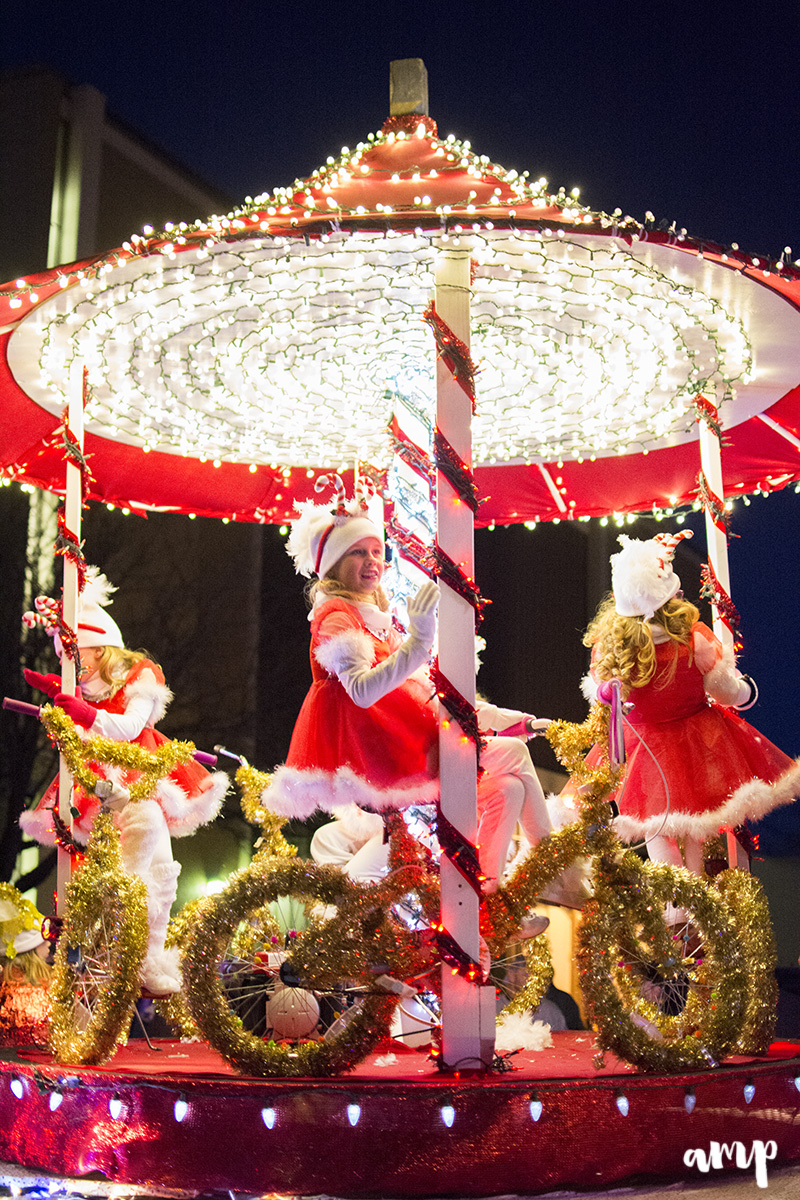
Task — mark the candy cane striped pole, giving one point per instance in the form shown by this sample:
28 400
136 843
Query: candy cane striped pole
468 1008
73 504
717 542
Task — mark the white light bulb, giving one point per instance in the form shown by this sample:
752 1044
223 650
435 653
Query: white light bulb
181 1108
448 1114
268 1117
353 1113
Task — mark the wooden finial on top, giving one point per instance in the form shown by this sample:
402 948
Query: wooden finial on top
408 87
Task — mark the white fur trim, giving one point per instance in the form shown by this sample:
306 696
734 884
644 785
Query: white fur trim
157 693
345 649
516 1031
589 688
298 794
750 802
357 824
183 814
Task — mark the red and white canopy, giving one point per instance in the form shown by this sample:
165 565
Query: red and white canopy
232 361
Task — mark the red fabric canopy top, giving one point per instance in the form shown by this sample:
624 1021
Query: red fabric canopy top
401 195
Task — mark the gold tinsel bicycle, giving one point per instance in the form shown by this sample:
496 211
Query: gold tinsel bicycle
661 997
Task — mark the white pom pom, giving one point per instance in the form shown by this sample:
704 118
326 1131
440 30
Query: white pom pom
303 540
97 589
516 1031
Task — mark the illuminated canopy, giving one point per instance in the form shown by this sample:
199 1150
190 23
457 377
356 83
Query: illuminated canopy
232 360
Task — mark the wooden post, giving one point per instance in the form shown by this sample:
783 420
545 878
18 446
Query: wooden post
73 503
468 1010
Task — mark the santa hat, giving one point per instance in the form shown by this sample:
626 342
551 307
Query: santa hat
20 923
321 535
95 626
642 578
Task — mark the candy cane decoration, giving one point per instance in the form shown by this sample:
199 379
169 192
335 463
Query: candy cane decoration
713 500
468 1009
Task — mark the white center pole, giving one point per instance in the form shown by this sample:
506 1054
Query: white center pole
73 502
717 542
468 1010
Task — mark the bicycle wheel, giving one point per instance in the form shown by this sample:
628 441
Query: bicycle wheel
665 998
744 895
95 982
275 1004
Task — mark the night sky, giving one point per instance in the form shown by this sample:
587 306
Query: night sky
687 111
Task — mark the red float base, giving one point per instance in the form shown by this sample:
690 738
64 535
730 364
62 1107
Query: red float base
383 1129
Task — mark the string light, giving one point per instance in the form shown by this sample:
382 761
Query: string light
448 1115
54 1101
622 1103
180 1108
18 1089
689 1100
535 1108
115 1106
749 1092
354 1114
268 1117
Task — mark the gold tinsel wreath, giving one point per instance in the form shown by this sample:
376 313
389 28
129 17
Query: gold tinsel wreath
106 915
80 753
627 909
346 954
744 895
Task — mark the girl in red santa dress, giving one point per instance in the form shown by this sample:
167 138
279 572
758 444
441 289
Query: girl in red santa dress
366 738
694 766
121 695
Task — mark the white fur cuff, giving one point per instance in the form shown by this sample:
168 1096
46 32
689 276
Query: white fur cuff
352 647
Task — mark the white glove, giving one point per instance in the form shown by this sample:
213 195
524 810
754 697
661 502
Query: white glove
421 610
366 684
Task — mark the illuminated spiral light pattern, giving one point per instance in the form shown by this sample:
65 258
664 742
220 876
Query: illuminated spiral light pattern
242 352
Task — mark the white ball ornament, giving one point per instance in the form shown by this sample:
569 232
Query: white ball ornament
292 1012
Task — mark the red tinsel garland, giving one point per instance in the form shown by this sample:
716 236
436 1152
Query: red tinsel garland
458 707
455 579
68 546
705 410
410 453
455 470
461 852
451 953
713 591
714 506
453 352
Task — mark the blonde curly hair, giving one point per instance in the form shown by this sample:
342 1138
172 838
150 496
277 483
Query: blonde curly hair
333 587
623 647
115 662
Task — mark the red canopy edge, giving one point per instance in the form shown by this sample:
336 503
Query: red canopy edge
755 457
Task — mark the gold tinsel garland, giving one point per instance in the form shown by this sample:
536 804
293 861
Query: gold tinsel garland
81 753
106 918
323 956
26 917
744 895
625 919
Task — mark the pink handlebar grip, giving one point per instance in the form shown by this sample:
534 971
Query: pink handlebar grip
20 706
208 760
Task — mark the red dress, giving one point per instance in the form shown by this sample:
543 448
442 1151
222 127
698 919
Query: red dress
189 796
378 757
704 750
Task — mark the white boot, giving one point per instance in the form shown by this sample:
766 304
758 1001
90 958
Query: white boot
160 971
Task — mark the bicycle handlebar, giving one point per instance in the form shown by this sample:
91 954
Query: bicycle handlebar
34 710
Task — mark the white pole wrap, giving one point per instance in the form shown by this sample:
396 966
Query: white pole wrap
468 1009
73 503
